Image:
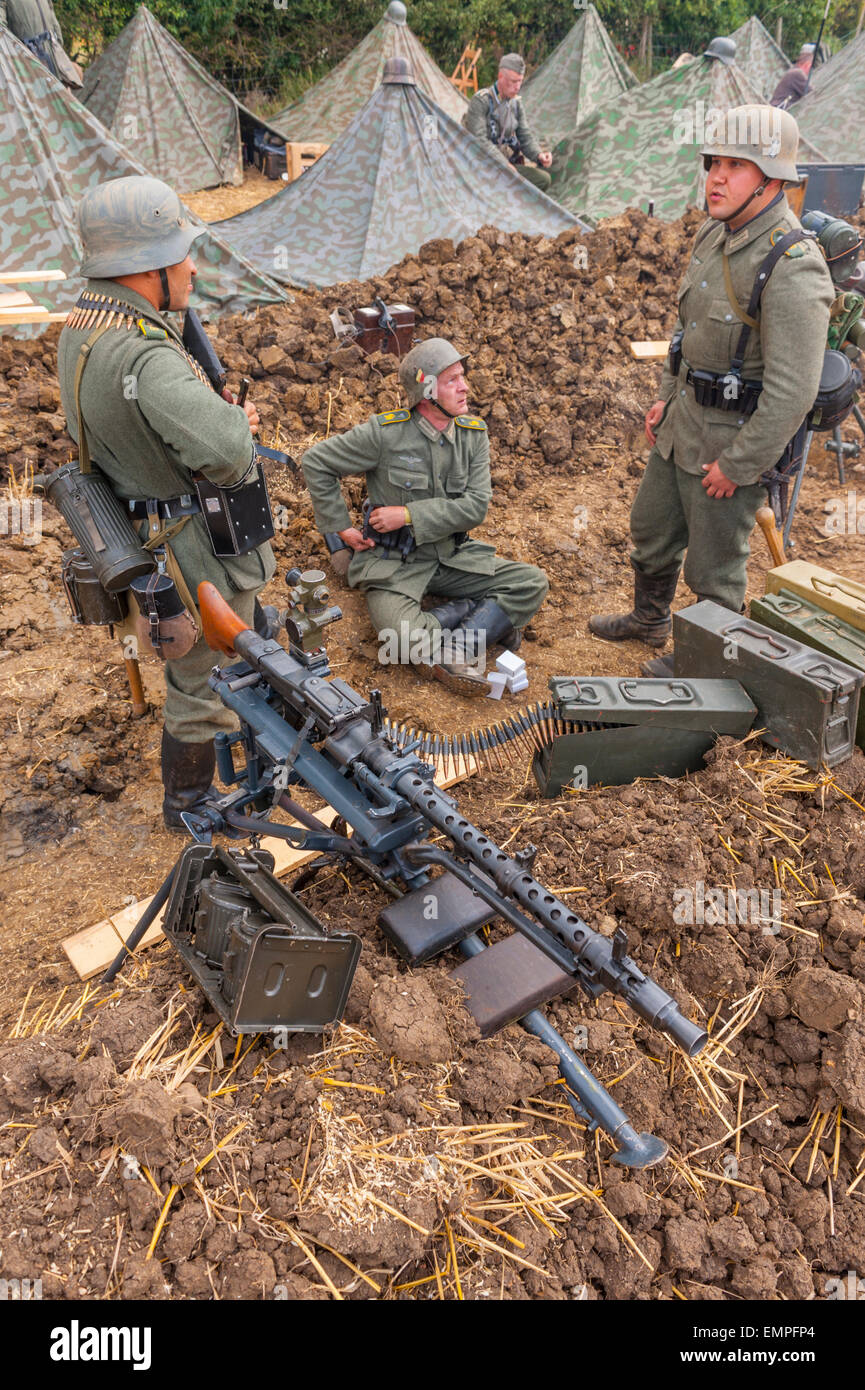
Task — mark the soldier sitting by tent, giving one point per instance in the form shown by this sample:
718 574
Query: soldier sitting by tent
496 114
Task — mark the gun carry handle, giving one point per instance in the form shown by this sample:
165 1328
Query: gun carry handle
220 622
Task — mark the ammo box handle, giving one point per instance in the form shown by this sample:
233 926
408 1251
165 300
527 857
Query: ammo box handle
763 637
679 693
822 671
839 588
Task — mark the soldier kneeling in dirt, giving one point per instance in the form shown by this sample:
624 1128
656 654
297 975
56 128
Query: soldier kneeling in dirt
428 477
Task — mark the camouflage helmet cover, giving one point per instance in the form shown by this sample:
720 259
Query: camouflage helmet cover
723 48
420 369
132 224
765 135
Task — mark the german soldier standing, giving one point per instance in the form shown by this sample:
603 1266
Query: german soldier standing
712 441
153 421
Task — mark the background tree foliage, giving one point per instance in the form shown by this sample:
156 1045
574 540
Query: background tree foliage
278 47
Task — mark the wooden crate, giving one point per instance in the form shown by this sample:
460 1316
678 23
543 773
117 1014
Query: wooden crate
300 156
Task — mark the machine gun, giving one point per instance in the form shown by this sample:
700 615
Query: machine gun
245 936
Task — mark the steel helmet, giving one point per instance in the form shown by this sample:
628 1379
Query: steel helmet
396 12
419 370
722 48
765 135
132 224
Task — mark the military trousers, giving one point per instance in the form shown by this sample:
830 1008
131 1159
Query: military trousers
518 589
673 516
541 178
193 712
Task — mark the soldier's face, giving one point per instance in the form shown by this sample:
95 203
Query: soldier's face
451 389
181 279
728 183
509 83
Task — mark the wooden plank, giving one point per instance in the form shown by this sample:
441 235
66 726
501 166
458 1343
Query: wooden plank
23 277
649 351
92 950
14 299
34 315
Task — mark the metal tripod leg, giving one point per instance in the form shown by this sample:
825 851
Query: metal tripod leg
791 509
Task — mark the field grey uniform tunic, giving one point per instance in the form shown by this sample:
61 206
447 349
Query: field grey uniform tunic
510 120
151 423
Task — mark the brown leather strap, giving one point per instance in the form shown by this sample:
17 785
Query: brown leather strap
731 296
83 450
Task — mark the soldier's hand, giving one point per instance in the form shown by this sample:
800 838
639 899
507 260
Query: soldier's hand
355 540
387 518
252 416
715 483
545 159
653 419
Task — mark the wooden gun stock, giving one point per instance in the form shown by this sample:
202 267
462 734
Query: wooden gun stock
220 622
766 522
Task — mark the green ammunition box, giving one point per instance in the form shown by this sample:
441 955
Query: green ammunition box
615 730
834 593
807 703
788 613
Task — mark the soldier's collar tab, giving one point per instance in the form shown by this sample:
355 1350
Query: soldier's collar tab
769 217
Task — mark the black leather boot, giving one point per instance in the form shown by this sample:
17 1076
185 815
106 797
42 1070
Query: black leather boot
486 627
187 770
650 620
453 611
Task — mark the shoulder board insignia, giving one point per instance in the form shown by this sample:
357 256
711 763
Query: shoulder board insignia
470 422
150 330
393 417
794 251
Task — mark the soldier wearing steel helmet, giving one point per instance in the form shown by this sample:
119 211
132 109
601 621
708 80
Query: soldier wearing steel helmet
427 472
152 421
701 488
496 114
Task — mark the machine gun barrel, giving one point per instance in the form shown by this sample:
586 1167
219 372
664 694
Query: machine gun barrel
600 963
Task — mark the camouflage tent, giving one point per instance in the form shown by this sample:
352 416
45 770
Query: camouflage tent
35 23
832 112
644 145
402 174
52 151
758 56
154 96
324 111
583 72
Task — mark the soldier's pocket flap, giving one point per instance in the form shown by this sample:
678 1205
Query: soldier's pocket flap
412 480
372 567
